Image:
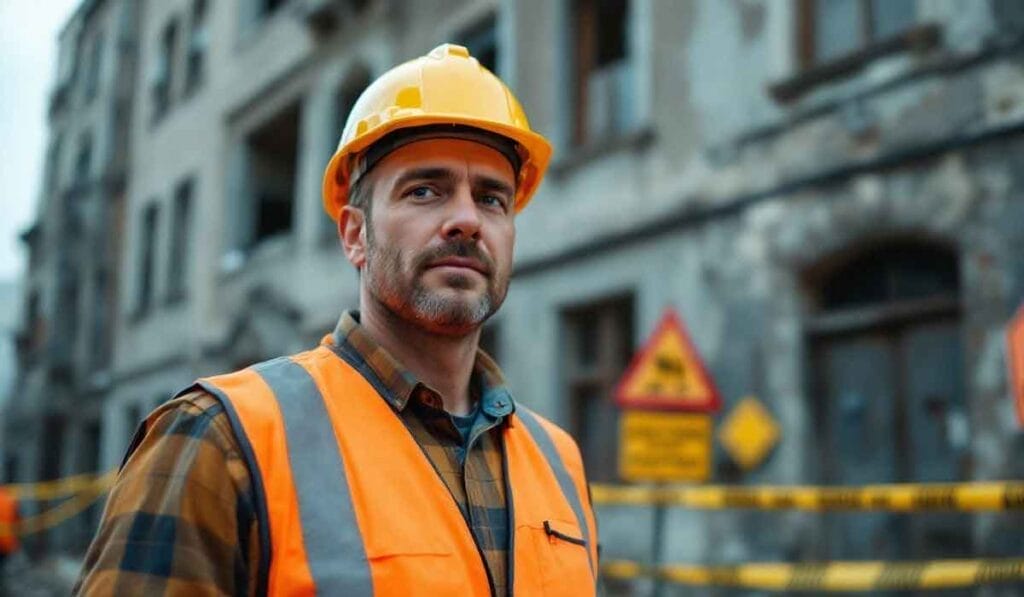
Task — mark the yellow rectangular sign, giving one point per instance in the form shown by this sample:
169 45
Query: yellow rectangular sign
664 446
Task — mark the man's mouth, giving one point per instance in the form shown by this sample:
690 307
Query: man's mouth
461 262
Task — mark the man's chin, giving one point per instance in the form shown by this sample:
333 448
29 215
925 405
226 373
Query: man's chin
451 313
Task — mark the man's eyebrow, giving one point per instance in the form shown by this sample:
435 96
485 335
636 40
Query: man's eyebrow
488 183
428 173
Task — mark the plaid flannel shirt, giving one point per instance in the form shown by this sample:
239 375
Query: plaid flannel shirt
180 518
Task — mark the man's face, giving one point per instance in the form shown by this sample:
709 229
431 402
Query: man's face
438 246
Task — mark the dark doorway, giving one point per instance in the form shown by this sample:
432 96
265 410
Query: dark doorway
888 394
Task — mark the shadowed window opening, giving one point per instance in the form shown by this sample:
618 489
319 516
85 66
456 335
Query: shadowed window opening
272 152
481 39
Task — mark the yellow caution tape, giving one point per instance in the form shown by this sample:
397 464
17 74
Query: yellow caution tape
833 576
978 496
62 512
51 490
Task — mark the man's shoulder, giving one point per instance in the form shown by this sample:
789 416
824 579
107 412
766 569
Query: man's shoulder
195 413
561 438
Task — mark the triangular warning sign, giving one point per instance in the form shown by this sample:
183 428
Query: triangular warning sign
667 373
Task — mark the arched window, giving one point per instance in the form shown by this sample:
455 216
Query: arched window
890 273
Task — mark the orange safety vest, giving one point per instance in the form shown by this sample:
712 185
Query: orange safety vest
354 507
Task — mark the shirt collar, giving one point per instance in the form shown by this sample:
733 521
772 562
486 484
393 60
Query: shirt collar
396 384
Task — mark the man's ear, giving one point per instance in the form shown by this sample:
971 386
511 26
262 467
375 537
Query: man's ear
352 230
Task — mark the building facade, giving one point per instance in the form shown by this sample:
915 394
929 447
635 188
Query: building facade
828 193
67 332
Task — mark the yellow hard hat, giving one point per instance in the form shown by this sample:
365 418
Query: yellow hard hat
447 86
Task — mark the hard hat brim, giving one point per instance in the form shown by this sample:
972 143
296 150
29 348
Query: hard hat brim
535 149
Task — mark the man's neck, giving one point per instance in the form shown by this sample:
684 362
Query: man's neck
445 363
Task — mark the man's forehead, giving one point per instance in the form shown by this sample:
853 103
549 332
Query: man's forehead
457 155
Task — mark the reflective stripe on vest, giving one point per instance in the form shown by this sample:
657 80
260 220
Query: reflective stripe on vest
334 546
543 440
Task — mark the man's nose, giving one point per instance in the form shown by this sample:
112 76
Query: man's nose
462 219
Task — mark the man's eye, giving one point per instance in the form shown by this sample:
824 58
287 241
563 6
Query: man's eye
493 201
422 193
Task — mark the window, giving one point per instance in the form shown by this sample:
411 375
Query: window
598 341
905 272
163 72
181 220
100 333
83 161
67 320
603 73
147 258
53 164
267 7
133 417
93 67
35 321
198 41
90 463
54 430
832 29
271 159
482 40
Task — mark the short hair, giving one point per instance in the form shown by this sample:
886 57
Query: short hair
360 195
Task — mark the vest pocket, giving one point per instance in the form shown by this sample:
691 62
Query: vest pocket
414 563
418 574
553 532
562 559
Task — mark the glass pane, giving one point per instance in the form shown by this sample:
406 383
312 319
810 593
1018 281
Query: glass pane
892 273
889 17
837 28
612 19
586 341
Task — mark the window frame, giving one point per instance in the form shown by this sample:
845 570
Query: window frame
197 46
145 286
807 33
583 31
482 28
179 240
615 317
162 83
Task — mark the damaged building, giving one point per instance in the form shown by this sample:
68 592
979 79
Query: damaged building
831 194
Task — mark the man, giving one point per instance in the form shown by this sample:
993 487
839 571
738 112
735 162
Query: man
389 460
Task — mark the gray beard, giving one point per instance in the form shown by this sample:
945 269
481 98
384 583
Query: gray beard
418 305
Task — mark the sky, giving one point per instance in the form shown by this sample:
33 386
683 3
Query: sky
28 55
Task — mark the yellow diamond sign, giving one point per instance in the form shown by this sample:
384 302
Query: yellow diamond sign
749 433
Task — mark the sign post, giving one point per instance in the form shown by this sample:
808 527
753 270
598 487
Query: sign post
667 399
